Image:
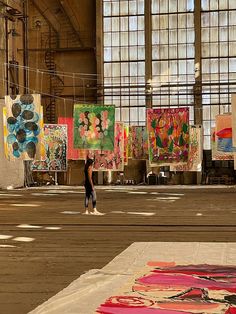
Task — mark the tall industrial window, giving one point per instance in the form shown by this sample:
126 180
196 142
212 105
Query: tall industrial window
218 24
173 57
124 59
173 53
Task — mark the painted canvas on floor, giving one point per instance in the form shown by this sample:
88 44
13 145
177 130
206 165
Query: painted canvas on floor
126 144
222 148
167 288
23 124
195 156
94 127
72 153
168 135
106 160
54 149
139 142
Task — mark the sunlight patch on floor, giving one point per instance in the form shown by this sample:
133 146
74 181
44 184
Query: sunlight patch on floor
29 226
5 237
23 239
6 246
9 194
142 214
43 194
25 205
68 212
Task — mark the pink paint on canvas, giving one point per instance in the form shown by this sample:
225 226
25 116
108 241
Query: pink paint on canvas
72 153
174 289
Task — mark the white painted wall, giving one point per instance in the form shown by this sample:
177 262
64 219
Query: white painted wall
11 172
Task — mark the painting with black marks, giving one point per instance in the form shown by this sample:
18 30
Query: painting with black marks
23 123
53 150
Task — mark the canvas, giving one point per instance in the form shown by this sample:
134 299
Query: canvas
139 142
23 124
72 153
94 127
126 144
106 160
222 138
54 149
168 135
168 288
233 105
195 156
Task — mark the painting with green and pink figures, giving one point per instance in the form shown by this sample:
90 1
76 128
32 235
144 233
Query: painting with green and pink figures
94 127
168 131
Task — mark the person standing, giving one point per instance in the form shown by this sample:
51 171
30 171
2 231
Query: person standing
89 188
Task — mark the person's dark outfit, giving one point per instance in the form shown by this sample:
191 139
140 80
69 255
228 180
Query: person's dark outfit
88 190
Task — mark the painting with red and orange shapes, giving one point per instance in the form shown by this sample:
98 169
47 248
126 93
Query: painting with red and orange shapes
168 135
223 138
167 288
94 127
72 153
106 160
126 144
139 142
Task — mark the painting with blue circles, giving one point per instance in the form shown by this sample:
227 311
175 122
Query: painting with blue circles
23 123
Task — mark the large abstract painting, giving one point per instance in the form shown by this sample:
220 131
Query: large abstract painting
167 288
222 148
168 131
54 149
94 127
139 142
106 160
194 162
72 153
23 123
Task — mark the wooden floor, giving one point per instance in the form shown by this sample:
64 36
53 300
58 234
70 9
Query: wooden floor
32 272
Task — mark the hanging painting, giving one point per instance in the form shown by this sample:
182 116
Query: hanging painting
195 155
54 149
72 153
167 288
168 131
139 143
106 160
94 127
222 138
233 105
126 144
23 123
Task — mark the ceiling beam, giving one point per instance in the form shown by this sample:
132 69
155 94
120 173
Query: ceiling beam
68 11
44 10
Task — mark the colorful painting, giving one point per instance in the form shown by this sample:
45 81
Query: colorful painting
54 149
72 153
94 127
168 131
221 139
106 160
126 144
167 288
195 156
139 144
130 144
23 124
233 105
